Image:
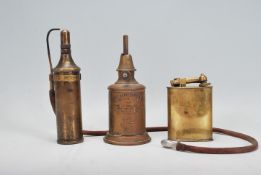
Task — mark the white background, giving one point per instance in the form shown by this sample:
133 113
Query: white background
167 39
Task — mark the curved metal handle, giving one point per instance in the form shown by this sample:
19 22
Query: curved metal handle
48 48
51 91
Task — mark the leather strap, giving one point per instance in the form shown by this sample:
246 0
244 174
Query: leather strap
227 150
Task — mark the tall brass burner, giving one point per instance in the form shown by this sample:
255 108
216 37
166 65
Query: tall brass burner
126 105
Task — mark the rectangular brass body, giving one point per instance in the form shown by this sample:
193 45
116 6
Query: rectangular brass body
190 113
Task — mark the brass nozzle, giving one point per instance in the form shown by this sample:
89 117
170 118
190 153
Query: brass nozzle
126 63
125 45
66 63
65 39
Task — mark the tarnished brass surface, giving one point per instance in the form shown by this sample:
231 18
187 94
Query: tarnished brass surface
65 95
190 112
67 78
126 105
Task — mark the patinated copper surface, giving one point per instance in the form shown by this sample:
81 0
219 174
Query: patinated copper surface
65 94
126 105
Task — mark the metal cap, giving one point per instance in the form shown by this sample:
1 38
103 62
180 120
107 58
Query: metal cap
169 144
66 63
65 39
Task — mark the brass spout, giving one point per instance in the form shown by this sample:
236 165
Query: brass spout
125 45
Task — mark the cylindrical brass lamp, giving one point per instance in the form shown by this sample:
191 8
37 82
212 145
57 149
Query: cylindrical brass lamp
65 93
